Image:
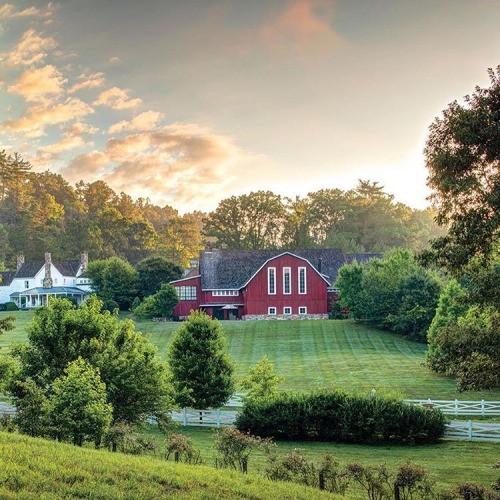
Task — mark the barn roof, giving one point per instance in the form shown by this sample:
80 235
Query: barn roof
231 269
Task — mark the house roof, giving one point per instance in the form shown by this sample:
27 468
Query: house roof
30 269
67 267
231 269
7 277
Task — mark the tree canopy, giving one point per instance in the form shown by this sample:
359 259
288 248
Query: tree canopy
154 271
463 157
136 382
202 373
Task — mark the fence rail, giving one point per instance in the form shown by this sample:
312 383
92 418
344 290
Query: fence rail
481 431
477 431
456 407
205 418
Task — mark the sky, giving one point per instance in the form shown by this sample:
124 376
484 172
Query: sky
187 102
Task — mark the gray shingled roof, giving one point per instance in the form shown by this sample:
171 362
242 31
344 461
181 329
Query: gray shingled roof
7 277
231 269
67 267
30 269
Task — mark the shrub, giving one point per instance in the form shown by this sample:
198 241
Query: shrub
340 417
234 447
293 467
261 381
8 306
183 449
374 479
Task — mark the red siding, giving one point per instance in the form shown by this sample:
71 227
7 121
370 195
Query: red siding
257 300
184 307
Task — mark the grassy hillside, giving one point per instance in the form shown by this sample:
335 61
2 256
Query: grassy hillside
310 354
448 463
35 468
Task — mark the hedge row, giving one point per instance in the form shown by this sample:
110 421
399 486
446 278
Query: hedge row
340 417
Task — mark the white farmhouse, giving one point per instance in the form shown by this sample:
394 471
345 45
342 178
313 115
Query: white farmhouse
32 283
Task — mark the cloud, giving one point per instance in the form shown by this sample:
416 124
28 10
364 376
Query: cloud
303 27
166 165
91 81
31 49
114 60
72 138
9 11
33 123
35 84
143 121
116 98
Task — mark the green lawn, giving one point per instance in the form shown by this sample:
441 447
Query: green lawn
310 354
447 463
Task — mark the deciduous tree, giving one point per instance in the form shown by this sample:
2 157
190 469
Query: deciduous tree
202 373
463 157
136 382
154 271
77 407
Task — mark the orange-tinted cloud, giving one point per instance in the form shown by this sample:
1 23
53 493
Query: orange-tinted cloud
167 165
9 11
92 81
116 98
33 123
35 84
143 121
31 49
303 27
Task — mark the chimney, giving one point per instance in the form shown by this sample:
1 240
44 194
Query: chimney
84 261
20 262
320 265
47 280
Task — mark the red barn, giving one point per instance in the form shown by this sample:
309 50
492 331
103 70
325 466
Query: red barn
263 284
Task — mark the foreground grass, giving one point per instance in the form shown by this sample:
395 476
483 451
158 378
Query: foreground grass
39 469
312 354
447 463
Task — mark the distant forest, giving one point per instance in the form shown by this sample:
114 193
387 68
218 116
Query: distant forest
42 212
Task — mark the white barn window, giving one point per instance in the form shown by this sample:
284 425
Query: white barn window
271 280
287 280
302 281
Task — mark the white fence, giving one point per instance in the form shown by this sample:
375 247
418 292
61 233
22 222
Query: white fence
477 431
483 408
205 418
483 431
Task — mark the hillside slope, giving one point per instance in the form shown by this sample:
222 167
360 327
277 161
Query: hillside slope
37 468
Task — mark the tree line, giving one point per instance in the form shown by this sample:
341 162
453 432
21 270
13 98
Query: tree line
41 210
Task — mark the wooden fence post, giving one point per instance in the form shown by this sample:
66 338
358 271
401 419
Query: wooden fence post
469 428
184 416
